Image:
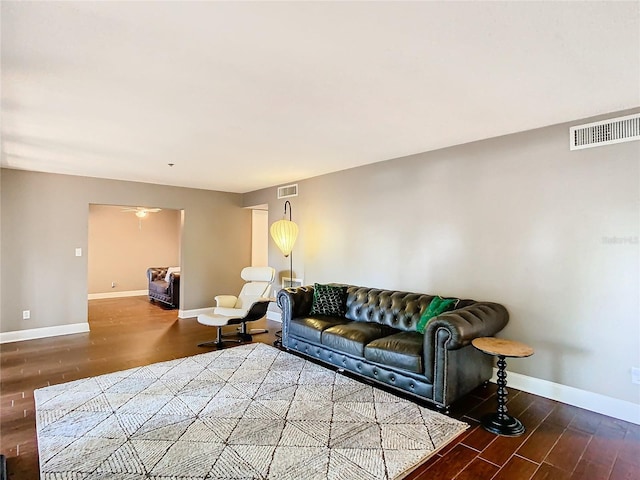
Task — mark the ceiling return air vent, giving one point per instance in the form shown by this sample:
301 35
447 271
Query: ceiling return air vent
288 191
606 132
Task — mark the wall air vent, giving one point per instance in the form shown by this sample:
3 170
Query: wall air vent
288 191
606 132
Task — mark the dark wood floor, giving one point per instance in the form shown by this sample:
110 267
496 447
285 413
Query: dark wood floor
561 441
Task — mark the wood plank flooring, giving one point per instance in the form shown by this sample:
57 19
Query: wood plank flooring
561 441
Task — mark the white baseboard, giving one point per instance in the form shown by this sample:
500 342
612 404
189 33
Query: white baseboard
194 312
612 407
275 316
33 333
129 293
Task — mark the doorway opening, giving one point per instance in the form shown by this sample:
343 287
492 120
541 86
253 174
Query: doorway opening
123 242
260 236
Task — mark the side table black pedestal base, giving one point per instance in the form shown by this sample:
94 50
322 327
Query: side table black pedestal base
507 425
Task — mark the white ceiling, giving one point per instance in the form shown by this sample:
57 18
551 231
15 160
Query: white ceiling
241 96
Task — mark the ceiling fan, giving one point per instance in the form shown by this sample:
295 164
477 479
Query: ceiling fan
141 212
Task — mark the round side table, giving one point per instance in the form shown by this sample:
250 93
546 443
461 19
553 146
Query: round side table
500 422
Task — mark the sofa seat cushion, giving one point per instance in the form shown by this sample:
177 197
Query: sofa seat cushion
159 286
311 328
402 350
353 336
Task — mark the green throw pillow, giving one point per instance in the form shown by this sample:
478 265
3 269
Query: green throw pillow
437 306
329 300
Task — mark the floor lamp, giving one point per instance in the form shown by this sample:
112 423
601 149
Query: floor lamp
285 232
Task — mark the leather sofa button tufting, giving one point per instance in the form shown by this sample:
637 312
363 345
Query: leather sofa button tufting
412 385
375 371
392 378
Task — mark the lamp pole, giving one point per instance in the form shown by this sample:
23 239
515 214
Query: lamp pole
290 254
284 233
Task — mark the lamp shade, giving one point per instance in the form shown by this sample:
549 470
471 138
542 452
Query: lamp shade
284 233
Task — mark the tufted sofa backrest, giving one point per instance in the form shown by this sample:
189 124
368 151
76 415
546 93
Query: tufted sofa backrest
401 310
157 273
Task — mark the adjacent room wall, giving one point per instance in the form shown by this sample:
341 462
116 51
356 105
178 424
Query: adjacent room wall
45 218
122 247
550 233
259 238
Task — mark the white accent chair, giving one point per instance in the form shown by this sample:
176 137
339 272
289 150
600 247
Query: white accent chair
250 305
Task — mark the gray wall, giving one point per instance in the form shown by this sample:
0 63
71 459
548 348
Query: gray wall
521 220
44 217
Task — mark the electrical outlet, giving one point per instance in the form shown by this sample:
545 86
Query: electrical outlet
26 314
113 284
635 375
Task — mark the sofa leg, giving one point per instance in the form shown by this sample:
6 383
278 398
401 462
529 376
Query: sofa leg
445 410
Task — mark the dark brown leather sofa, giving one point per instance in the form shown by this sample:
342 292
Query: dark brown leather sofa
161 290
377 339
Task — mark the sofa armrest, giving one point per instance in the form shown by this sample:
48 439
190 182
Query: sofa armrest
456 329
226 301
294 302
174 282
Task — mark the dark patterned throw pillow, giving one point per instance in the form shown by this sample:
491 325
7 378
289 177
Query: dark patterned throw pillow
329 300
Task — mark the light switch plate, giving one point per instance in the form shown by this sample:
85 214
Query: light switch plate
78 252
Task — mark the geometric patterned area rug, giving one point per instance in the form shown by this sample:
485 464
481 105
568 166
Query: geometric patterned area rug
250 411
